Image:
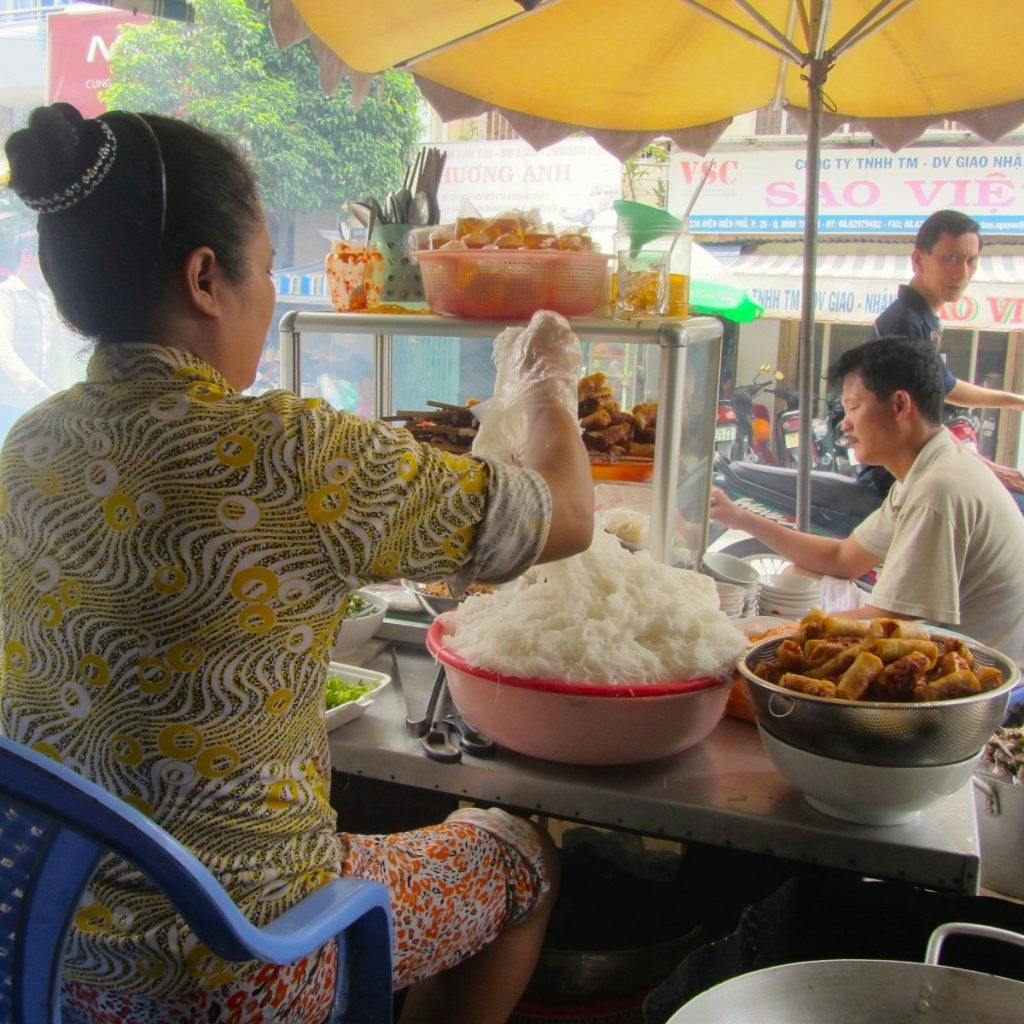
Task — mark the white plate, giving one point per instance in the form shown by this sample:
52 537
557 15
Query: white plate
398 598
354 708
762 623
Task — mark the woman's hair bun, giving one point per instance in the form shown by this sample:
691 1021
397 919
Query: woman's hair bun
52 151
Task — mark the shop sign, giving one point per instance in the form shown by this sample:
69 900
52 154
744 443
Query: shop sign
79 56
862 191
984 307
570 182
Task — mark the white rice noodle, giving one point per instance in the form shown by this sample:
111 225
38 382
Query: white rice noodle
605 616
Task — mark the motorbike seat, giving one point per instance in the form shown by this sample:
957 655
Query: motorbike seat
832 492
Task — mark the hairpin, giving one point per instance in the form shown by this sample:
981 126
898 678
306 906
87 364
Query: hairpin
86 184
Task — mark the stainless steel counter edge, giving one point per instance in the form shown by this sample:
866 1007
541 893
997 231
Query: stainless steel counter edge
723 792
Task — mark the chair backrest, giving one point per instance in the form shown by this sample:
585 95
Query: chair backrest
55 825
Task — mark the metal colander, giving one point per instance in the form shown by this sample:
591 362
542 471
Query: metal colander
870 732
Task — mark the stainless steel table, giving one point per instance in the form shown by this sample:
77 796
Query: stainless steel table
724 792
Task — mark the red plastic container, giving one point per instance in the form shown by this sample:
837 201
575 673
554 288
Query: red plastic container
511 284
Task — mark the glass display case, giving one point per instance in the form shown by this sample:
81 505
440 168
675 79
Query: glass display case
381 364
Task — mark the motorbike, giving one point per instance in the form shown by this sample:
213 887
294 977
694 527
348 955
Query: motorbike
752 441
787 434
963 426
726 427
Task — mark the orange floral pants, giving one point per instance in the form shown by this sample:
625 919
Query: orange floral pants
453 888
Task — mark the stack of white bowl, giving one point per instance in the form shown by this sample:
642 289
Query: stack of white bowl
736 581
789 596
731 598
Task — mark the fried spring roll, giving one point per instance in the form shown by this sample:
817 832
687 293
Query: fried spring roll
854 682
897 629
951 644
846 627
804 684
959 684
771 671
812 626
893 650
952 661
790 655
900 678
837 665
988 677
817 652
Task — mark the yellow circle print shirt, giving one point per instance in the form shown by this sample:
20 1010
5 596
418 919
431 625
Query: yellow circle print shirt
174 559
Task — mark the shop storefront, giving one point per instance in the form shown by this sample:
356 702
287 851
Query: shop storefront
872 203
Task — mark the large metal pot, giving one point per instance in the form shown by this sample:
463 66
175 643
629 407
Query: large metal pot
999 806
866 991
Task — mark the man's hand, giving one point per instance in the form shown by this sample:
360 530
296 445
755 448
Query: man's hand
1011 479
724 510
973 396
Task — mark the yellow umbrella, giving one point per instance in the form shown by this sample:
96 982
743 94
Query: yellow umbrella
627 71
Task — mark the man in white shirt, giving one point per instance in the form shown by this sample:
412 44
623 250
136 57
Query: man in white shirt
950 535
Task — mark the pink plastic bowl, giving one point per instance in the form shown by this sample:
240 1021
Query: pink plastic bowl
582 723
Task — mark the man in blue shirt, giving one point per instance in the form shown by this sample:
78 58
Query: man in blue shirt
945 258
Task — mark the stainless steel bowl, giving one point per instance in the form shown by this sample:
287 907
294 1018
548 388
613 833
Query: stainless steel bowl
432 605
872 732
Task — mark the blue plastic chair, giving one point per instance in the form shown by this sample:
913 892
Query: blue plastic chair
54 827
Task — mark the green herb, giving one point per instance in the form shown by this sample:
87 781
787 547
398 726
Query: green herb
342 691
357 605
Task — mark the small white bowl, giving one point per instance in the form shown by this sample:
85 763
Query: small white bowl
786 602
790 585
731 589
729 569
786 607
357 629
865 793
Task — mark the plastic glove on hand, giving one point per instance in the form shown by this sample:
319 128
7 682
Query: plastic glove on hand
537 365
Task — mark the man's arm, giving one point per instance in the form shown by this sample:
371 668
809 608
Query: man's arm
974 397
870 611
845 559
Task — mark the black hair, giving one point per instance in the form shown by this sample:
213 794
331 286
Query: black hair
945 222
891 364
109 258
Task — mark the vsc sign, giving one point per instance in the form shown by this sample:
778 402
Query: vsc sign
79 47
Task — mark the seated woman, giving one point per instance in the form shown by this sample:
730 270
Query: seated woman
174 561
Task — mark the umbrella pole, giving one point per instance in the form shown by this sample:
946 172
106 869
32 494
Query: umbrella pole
817 72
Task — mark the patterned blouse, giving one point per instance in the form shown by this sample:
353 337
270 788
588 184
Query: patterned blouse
174 562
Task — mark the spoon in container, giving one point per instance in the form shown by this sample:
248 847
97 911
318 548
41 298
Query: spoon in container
419 208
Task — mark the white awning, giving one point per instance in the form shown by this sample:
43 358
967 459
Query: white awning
856 288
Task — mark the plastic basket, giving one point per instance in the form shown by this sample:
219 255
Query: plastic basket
511 285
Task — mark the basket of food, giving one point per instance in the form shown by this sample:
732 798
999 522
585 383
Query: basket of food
497 284
875 720
879 691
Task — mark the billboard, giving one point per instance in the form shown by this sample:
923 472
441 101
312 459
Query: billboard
571 182
79 56
862 191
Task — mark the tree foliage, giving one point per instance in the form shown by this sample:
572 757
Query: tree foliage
309 151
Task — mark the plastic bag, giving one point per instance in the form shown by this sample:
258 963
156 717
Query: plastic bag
538 365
